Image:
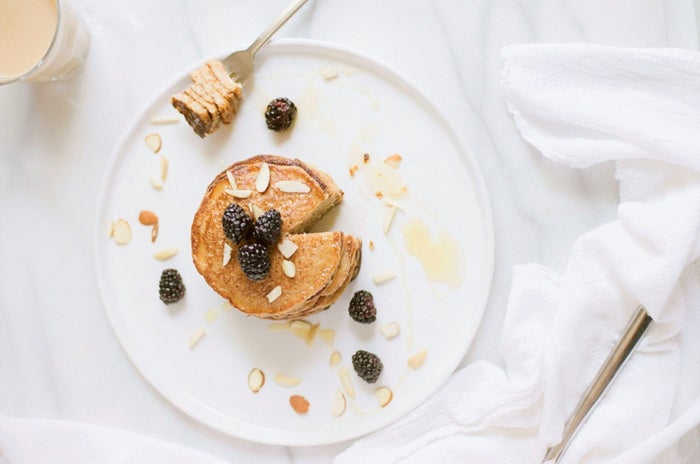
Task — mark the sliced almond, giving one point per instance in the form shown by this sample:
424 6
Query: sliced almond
287 248
154 232
278 326
390 330
393 161
381 277
196 337
335 359
256 380
329 72
353 169
257 211
292 186
289 269
231 180
346 382
327 335
418 359
371 245
163 161
286 380
299 404
388 219
339 404
239 193
165 253
156 182
158 120
148 218
227 254
262 181
384 395
122 232
154 142
274 294
391 202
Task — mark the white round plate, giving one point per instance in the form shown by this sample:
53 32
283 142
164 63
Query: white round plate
348 105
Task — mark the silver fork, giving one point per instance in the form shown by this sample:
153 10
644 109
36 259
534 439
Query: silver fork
241 64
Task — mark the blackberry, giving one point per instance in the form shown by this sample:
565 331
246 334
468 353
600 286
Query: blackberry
171 289
236 223
254 260
367 365
361 308
268 227
280 113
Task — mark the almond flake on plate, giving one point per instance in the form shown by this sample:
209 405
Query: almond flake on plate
390 330
287 248
122 232
262 181
227 254
239 193
299 404
346 382
292 186
165 253
278 326
335 359
163 162
384 395
158 120
196 337
256 380
274 294
286 380
157 182
382 277
154 142
339 403
388 219
148 218
289 269
417 360
329 72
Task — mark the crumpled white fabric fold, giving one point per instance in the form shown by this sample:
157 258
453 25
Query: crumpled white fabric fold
582 104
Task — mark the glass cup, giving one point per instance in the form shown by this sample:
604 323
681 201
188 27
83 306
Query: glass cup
40 40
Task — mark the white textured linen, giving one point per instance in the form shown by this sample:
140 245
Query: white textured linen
583 104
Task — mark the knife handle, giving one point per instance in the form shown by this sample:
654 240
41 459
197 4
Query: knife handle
634 331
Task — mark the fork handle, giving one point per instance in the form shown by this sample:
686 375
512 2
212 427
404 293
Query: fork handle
634 331
277 23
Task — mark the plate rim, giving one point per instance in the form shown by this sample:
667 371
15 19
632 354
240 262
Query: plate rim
422 97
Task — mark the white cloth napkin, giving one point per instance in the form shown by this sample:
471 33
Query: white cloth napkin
580 105
31 441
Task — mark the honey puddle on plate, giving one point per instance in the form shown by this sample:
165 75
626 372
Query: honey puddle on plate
440 257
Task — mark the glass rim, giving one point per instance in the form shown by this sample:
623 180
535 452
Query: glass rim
34 69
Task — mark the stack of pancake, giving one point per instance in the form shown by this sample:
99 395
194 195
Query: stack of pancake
325 262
